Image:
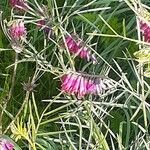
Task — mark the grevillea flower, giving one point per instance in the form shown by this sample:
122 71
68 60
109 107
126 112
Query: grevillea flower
16 33
19 4
82 84
17 30
145 29
6 145
43 24
76 47
75 84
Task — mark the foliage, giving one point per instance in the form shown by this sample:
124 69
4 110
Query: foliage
35 113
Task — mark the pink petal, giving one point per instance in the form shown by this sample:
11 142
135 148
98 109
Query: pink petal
82 88
76 86
6 145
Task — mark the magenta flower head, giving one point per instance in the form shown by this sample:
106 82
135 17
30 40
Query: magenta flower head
145 29
76 84
76 46
16 33
79 84
17 30
6 145
19 4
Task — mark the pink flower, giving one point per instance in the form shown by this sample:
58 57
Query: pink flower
17 30
145 29
69 82
76 47
19 4
6 145
76 84
83 84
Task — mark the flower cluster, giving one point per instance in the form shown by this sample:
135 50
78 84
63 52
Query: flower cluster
6 145
82 84
72 83
17 30
76 47
19 4
145 29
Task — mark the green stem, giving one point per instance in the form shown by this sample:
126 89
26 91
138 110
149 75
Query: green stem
13 78
11 90
97 133
20 110
143 98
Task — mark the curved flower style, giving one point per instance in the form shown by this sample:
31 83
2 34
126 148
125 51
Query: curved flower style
81 84
145 29
6 145
19 4
17 30
75 47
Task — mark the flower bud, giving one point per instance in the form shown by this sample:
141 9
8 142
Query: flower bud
19 4
17 30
